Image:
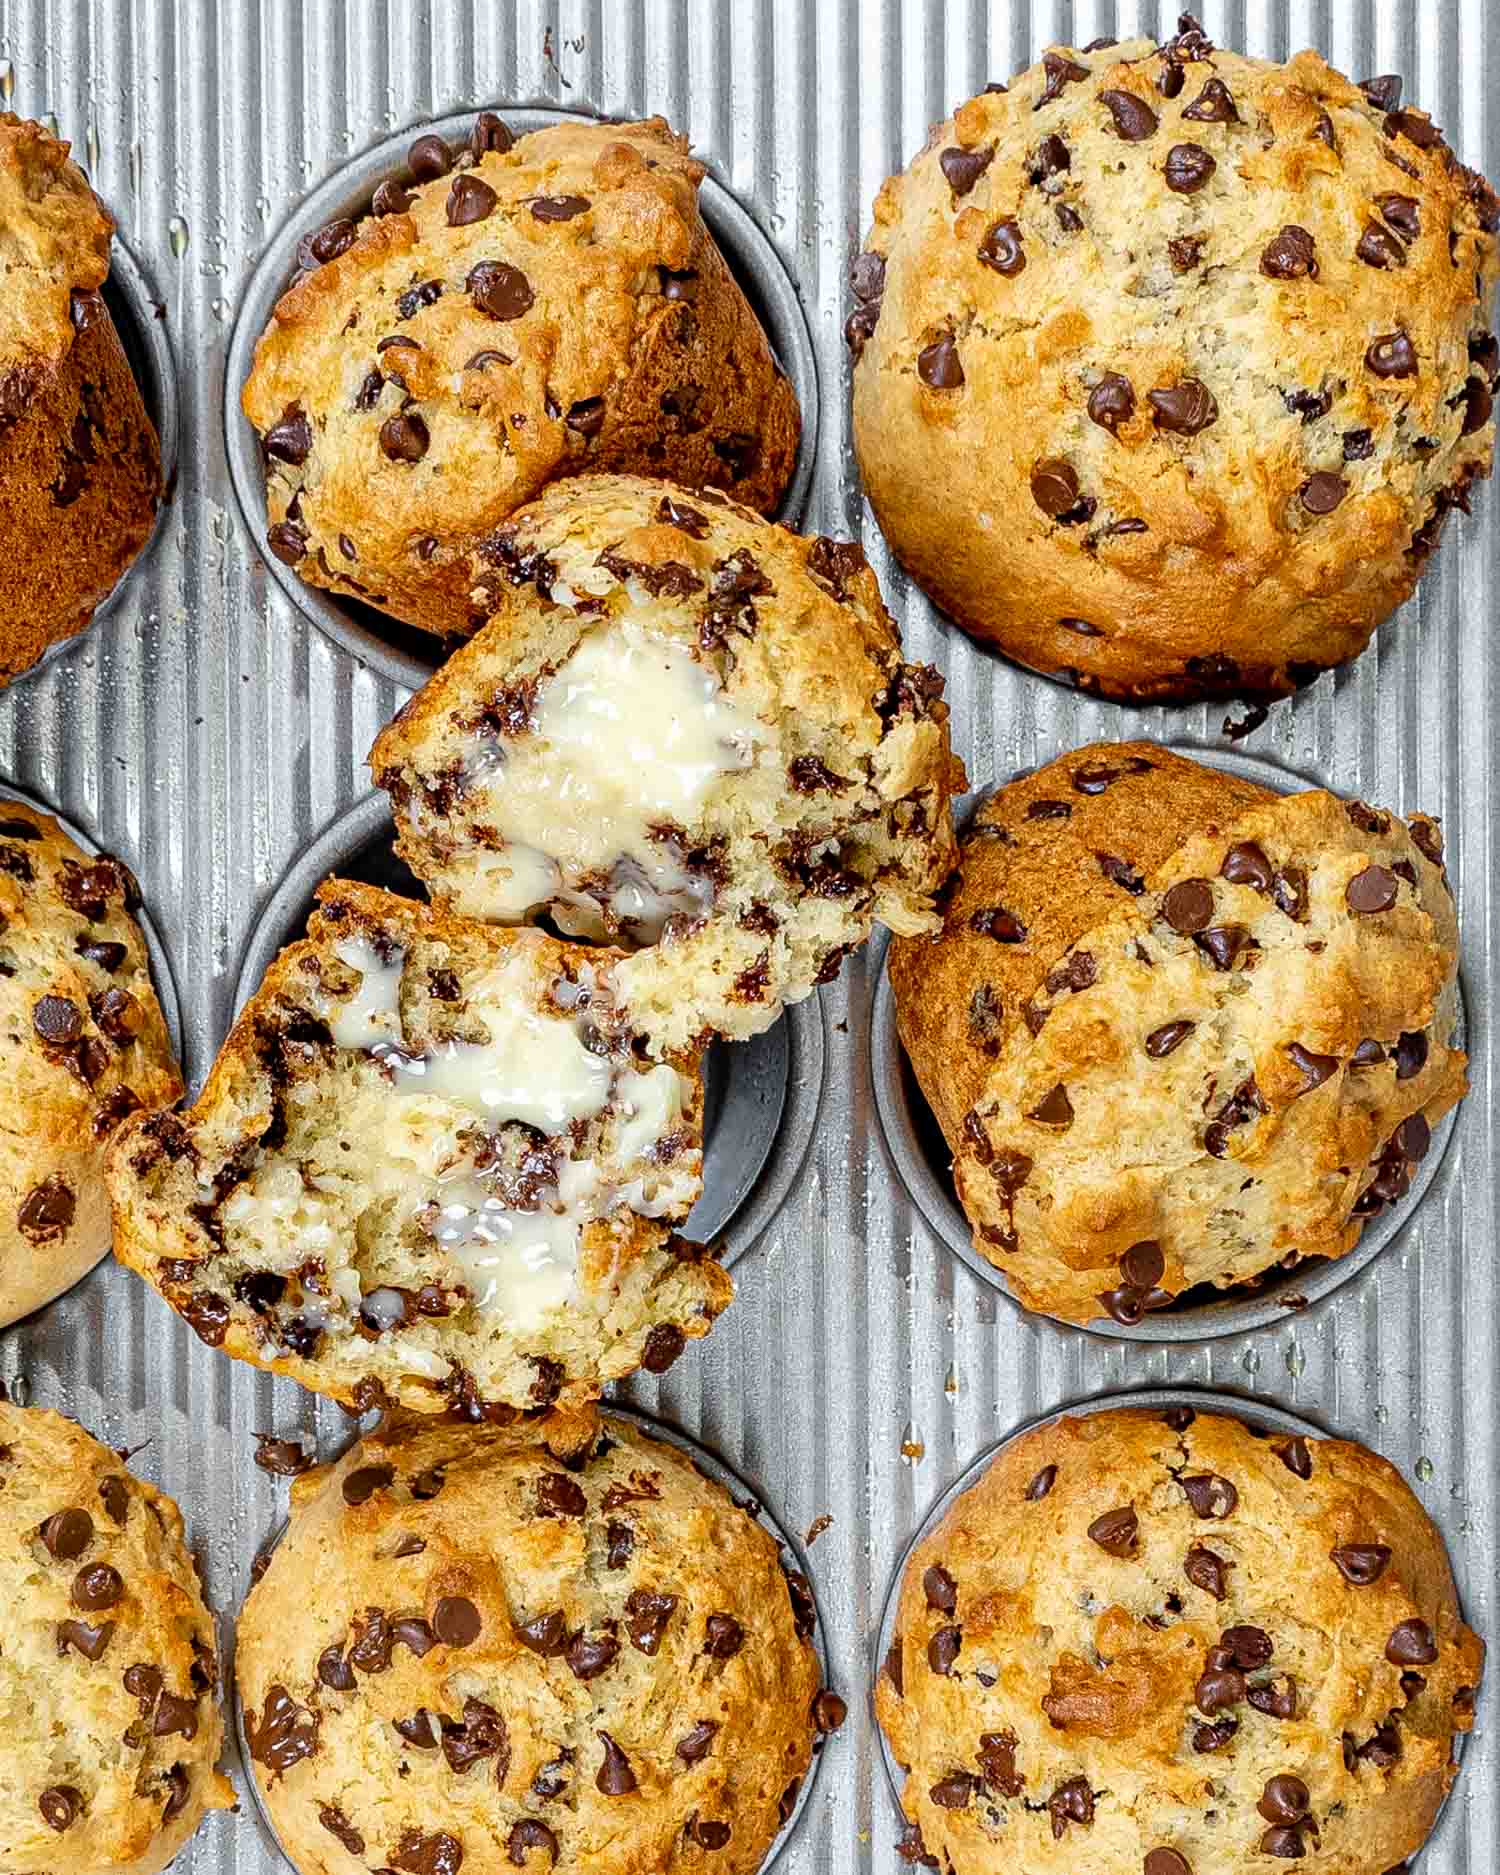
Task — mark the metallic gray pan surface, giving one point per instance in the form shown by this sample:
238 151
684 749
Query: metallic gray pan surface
206 732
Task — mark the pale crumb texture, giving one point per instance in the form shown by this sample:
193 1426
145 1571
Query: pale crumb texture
80 469
834 812
1171 363
83 1045
576 1654
318 1213
108 1664
1179 1029
550 308
1132 1645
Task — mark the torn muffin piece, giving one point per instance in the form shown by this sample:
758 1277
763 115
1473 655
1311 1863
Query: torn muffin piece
431 1166
685 731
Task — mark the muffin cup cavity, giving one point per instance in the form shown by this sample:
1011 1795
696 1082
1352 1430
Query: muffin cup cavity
793 1556
920 1155
391 649
761 1097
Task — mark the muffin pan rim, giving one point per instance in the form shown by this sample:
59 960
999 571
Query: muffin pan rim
748 251
718 1470
932 1198
1248 1409
766 1175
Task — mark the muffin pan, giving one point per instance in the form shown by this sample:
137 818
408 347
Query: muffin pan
793 1556
761 1097
400 652
922 1159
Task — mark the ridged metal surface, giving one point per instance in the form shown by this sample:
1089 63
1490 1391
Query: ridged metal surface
205 732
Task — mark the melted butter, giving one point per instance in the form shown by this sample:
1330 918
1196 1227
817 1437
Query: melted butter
630 733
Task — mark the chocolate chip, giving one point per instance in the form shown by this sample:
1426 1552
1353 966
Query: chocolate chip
391 198
1188 167
1478 404
963 168
291 439
557 1495
1133 118
1248 1647
46 1212
1041 1484
1055 1109
558 207
694 1746
1218 1689
455 1621
428 158
67 1534
1411 1645
723 1637
1277 1699
1412 1138
1186 252
1314 1069
940 1589
1290 255
1322 493
114 1494
1283 1841
470 200
646 1618
1119 872
943 1650
106 956
1072 1802
1167 1862
939 366
89 1641
56 1020
1210 1495
615 1777
1170 78
997 923
1284 1800
1115 1532
1061 71
1188 906
1378 247
1309 405
1361 1564
174 1714
1246 864
361 1485
1185 408
1410 1054
1207 1571
1296 1456
316 250
1143 1264
1111 403
118 1014
404 437
828 1712
1179 1418
1222 944
60 1805
1001 247
499 290
954 1791
334 1671
1160 1042
1214 104
589 1655
1392 356
544 1634
1054 486
1053 158
1372 890
97 1587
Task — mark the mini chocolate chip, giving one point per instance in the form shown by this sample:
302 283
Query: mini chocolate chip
1001 248
1161 1042
455 1621
1207 1571
963 168
1361 1564
470 200
1184 409
1188 168
1392 356
1115 1532
1041 1484
1054 486
941 1590
943 1650
1210 1495
1214 104
1284 1800
67 1534
1133 118
428 158
939 366
499 290
558 207
1372 890
404 437
1322 493
1111 403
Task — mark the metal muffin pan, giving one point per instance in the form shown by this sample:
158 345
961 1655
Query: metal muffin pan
921 1157
206 732
398 651
793 1556
761 1097
1258 1415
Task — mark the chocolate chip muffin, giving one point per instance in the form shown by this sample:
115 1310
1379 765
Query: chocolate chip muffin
506 314
1156 1640
80 468
685 730
429 1167
1171 364
551 1648
1178 1029
107 1672
82 1047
